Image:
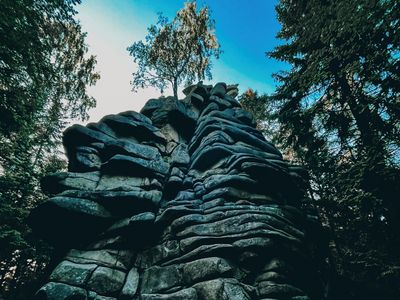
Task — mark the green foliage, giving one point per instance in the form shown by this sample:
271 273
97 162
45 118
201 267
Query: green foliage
339 110
176 52
44 72
264 110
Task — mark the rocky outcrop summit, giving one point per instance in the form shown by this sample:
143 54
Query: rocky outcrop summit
185 200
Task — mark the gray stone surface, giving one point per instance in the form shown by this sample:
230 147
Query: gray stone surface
185 200
206 268
106 281
59 182
108 258
131 284
221 289
183 294
86 159
72 273
60 291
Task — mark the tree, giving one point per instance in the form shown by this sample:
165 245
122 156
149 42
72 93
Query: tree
264 110
177 51
339 110
44 73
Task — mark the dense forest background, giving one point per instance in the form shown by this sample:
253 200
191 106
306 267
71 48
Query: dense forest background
335 111
44 73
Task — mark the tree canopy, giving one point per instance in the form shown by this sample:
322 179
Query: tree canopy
176 51
263 108
44 73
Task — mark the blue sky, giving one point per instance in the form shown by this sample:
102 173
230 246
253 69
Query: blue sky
245 30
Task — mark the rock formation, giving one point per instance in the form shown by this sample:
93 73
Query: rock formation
186 200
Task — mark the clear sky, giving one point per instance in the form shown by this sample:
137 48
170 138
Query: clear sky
246 29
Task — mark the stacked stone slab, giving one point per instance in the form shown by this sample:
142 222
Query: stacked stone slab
186 200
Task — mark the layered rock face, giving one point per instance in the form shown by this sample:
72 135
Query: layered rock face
186 200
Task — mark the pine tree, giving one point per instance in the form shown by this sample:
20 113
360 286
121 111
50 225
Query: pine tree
339 110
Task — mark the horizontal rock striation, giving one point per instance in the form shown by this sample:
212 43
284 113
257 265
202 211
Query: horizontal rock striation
186 200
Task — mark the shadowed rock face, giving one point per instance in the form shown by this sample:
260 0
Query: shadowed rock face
186 200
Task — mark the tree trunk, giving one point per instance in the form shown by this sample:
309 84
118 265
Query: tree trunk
175 88
371 142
